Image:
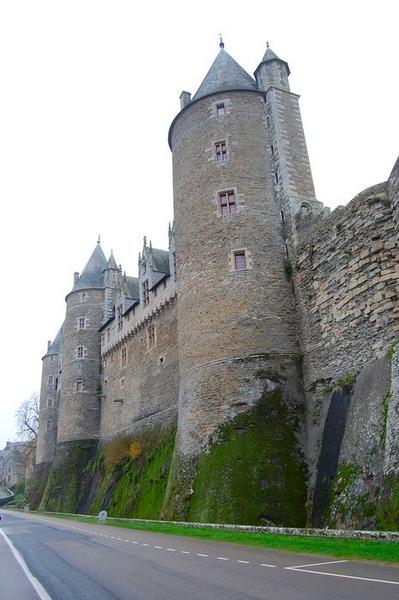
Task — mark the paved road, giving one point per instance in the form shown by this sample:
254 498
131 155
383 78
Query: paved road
78 561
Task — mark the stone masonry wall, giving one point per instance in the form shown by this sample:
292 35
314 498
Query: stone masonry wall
393 189
79 406
346 279
48 415
144 385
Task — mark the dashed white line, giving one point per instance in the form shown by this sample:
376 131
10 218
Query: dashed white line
266 565
171 549
158 547
147 545
133 542
244 562
222 558
184 552
204 555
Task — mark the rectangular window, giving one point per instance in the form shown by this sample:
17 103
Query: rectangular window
155 292
124 356
146 293
276 177
82 322
79 386
151 336
49 425
272 149
83 297
221 151
50 380
119 317
240 261
80 352
227 203
50 402
220 109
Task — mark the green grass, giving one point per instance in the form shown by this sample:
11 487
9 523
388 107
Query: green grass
339 548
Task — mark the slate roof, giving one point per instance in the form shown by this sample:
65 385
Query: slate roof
270 56
112 262
92 275
160 260
225 74
55 347
132 288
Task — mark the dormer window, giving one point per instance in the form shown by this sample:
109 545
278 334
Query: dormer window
220 109
119 317
146 293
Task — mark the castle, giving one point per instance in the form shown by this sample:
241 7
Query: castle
259 343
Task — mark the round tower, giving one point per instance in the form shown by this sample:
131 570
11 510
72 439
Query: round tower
79 409
236 327
48 413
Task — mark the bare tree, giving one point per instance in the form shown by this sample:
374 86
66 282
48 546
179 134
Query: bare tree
27 417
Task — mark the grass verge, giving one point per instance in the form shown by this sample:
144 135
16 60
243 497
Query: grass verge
339 548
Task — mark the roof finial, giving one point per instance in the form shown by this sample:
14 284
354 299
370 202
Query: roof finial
267 45
99 239
221 43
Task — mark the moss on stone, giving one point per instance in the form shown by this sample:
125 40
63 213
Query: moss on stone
350 504
388 505
254 472
69 480
137 487
36 485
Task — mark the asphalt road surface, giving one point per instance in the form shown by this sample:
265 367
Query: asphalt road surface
48 558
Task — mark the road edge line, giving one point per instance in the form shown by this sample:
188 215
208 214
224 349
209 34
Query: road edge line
37 586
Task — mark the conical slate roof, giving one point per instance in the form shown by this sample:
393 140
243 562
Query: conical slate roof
225 74
112 262
55 347
92 275
269 56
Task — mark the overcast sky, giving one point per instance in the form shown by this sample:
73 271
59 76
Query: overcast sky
88 91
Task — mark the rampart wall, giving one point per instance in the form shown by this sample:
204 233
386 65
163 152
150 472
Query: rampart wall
140 379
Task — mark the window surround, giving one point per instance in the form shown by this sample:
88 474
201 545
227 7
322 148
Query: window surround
124 356
240 260
151 336
81 323
49 425
80 352
220 151
227 202
79 386
50 402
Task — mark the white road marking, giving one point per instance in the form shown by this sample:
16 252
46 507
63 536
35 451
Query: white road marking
204 555
37 586
346 576
270 566
158 547
184 552
222 558
134 542
171 549
146 545
244 562
330 562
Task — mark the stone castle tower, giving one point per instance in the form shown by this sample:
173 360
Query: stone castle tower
227 341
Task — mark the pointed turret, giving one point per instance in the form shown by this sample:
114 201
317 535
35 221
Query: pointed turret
112 262
225 74
112 283
92 275
272 70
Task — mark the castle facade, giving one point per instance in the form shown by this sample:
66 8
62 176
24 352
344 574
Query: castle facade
266 309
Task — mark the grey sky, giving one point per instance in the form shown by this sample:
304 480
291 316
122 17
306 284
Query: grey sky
89 89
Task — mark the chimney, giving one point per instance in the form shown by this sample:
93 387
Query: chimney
185 98
48 345
75 277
